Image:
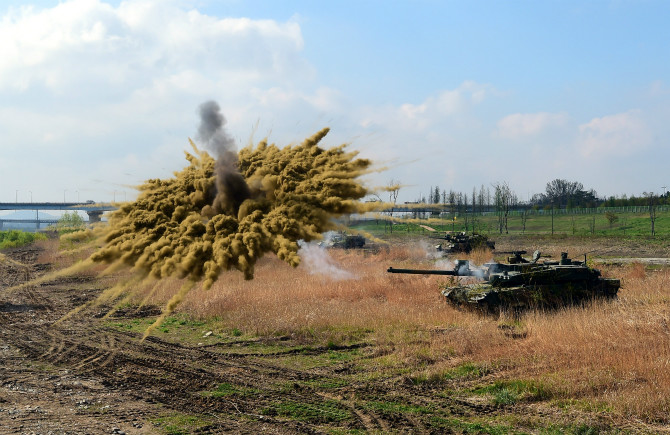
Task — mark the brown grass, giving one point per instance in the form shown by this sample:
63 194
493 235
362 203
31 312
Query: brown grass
613 353
284 300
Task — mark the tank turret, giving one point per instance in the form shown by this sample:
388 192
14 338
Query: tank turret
463 242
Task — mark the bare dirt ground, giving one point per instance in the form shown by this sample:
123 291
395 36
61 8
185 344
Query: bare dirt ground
83 377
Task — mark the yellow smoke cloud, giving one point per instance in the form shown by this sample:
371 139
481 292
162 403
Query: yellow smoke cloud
184 227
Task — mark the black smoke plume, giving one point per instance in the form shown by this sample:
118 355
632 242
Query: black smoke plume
231 189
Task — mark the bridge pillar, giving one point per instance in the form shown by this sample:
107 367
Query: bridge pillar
94 216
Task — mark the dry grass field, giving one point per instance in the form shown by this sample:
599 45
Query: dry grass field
608 356
337 345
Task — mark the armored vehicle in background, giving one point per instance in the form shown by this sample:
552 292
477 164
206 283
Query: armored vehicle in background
525 285
464 243
343 240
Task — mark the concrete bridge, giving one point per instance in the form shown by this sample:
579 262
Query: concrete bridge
93 210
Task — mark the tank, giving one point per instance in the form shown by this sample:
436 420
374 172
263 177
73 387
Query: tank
532 284
343 240
463 243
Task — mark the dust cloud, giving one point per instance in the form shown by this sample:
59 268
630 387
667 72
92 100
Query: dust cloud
185 227
224 212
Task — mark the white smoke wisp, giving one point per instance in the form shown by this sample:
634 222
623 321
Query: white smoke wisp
478 272
444 264
431 249
329 237
317 262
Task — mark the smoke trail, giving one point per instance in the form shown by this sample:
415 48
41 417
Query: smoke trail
231 189
317 261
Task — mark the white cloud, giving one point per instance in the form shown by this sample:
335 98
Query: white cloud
621 134
522 125
94 91
90 45
431 113
85 82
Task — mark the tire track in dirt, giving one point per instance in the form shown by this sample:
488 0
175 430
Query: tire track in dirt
370 421
147 373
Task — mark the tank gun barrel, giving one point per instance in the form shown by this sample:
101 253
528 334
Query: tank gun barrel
461 268
423 271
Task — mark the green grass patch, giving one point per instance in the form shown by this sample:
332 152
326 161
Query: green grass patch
226 390
179 328
307 357
16 238
511 392
467 371
181 424
180 322
399 408
576 429
328 411
462 372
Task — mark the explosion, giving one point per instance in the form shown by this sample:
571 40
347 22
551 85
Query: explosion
225 213
196 226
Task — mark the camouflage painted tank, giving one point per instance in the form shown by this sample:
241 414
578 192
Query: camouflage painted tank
343 240
462 242
524 285
518 286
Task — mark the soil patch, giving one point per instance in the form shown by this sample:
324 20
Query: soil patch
85 376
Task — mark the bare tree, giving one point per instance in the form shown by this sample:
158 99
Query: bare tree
652 200
481 198
504 200
393 188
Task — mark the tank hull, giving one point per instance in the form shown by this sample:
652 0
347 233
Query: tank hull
489 298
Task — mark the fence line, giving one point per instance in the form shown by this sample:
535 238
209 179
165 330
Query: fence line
594 210
556 211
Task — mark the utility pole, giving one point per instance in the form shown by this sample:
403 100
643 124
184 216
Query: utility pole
552 217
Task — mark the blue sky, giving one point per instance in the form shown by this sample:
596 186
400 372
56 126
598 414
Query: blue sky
97 96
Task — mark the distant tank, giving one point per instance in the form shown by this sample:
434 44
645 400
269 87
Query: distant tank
464 243
525 285
343 240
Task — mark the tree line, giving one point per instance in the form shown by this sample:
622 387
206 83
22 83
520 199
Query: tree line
558 194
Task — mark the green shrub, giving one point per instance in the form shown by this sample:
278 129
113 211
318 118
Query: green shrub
15 238
70 222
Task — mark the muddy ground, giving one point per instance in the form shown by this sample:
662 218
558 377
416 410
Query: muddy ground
83 376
